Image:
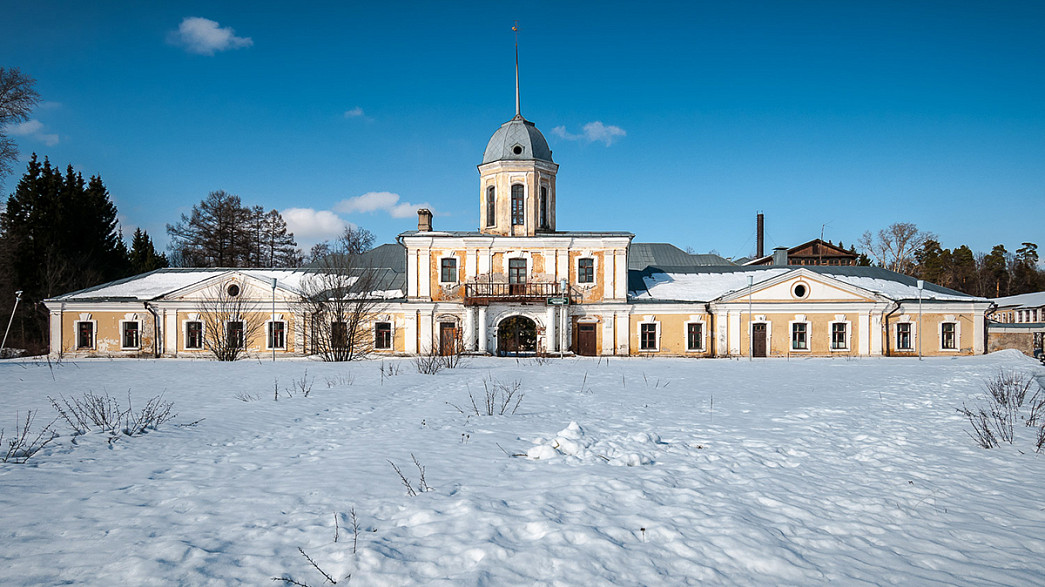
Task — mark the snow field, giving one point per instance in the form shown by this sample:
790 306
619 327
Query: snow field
627 471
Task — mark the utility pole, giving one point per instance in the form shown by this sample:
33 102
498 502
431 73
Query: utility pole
272 324
921 285
750 324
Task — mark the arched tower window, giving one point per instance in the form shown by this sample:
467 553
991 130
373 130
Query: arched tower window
544 207
518 205
491 206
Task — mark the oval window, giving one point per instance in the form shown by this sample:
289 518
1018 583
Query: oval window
801 290
233 290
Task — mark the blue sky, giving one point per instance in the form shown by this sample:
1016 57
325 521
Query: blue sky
675 121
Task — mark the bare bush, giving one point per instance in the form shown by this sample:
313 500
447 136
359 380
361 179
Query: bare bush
230 321
303 385
340 297
103 413
499 398
23 445
429 363
1006 397
344 379
422 485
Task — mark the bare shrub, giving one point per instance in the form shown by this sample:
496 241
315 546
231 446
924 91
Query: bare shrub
1006 397
429 363
230 320
341 296
303 385
422 485
23 445
499 398
344 379
327 577
103 412
244 396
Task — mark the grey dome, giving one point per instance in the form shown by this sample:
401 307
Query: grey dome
517 139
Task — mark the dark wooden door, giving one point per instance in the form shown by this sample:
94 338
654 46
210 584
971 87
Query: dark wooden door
447 339
586 340
758 340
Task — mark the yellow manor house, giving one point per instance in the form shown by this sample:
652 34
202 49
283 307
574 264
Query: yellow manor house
520 285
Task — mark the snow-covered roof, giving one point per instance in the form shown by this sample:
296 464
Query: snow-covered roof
162 282
711 283
1027 300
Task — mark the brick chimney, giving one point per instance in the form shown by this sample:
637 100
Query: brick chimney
424 220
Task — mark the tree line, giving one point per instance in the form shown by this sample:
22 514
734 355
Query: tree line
903 248
60 233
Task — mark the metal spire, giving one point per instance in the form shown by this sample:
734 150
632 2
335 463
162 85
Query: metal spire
515 27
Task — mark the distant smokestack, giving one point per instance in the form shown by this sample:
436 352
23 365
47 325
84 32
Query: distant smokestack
424 220
761 228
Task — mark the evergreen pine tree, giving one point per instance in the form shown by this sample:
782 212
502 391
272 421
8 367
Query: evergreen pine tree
143 255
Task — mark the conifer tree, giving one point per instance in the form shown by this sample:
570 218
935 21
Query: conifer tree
143 255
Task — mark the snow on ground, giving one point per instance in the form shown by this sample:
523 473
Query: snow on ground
627 471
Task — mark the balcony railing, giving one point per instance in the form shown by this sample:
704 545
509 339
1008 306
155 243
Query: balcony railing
484 293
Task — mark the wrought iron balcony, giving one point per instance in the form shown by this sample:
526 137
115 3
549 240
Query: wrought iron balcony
481 294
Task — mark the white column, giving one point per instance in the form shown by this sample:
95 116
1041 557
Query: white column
469 329
169 331
864 326
482 329
56 333
977 333
734 333
550 336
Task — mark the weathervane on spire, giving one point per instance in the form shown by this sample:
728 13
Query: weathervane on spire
515 27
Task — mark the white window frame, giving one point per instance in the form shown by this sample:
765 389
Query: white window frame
914 336
268 335
848 335
703 336
391 335
957 336
76 335
185 334
243 331
457 269
131 348
656 338
594 270
791 336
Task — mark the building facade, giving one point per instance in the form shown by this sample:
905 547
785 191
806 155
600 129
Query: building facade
519 284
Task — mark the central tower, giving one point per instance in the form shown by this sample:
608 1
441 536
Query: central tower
517 178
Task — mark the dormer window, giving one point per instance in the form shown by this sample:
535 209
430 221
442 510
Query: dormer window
491 206
518 205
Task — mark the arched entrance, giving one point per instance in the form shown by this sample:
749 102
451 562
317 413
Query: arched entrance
515 335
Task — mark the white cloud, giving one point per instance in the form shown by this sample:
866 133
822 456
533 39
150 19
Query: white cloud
311 226
203 36
356 112
33 129
379 201
594 131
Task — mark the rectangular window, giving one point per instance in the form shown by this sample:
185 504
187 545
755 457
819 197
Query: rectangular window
694 337
544 207
518 205
838 336
491 206
586 271
194 335
448 270
234 334
277 335
383 336
903 336
948 335
516 270
85 335
338 335
129 337
648 337
800 336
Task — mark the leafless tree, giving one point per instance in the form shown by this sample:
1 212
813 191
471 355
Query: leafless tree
18 96
340 301
230 321
894 247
